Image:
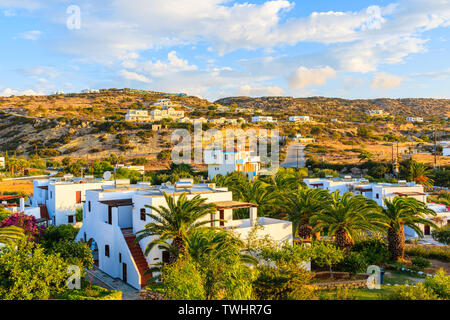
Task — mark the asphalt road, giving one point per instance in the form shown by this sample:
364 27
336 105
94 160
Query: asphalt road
291 156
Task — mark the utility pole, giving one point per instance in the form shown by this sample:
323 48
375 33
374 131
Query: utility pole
435 151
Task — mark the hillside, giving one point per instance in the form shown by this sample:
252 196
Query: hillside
340 107
92 125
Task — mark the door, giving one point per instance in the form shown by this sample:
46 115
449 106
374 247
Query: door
78 197
427 230
124 272
222 217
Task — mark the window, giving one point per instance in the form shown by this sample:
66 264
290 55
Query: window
120 258
89 206
226 157
143 214
70 219
51 195
377 196
165 256
107 251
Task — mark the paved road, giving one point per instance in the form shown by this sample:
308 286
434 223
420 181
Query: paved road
291 156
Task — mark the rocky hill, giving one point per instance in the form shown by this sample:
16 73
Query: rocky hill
340 107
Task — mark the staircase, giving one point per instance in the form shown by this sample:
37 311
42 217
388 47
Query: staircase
138 256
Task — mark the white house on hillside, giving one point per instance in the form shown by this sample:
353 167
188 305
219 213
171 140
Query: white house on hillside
112 217
262 119
299 118
224 162
414 119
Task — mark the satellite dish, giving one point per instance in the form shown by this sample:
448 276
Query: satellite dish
107 175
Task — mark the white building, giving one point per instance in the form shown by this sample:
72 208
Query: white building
375 191
224 162
414 119
112 217
2 162
90 91
59 198
137 115
299 118
262 119
377 112
445 148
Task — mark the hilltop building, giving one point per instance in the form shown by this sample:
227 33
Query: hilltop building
414 119
262 119
299 119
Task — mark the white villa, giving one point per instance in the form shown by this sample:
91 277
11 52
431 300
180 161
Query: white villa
445 148
59 198
380 191
262 119
414 119
2 162
112 217
299 119
223 162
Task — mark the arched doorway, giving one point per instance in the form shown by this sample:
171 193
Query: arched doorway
94 249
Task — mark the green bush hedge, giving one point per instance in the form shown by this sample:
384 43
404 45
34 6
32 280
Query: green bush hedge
442 254
90 292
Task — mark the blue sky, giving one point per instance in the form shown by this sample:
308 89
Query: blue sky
219 48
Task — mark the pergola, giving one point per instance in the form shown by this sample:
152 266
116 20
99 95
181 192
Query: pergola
221 206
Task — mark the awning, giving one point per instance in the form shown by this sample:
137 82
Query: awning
411 193
221 205
118 203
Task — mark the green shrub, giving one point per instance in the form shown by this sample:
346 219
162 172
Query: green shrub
374 250
27 273
442 254
90 292
417 292
353 263
283 284
182 281
420 263
442 235
440 284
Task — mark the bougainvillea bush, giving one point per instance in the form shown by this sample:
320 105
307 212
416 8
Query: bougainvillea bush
27 223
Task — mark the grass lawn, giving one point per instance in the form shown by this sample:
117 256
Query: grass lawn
394 277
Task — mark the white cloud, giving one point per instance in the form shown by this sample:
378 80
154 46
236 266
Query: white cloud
257 91
134 76
304 77
384 80
31 35
21 4
13 92
159 68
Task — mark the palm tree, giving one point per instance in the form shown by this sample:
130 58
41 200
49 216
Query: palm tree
9 234
301 205
401 212
420 173
215 242
345 216
175 222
